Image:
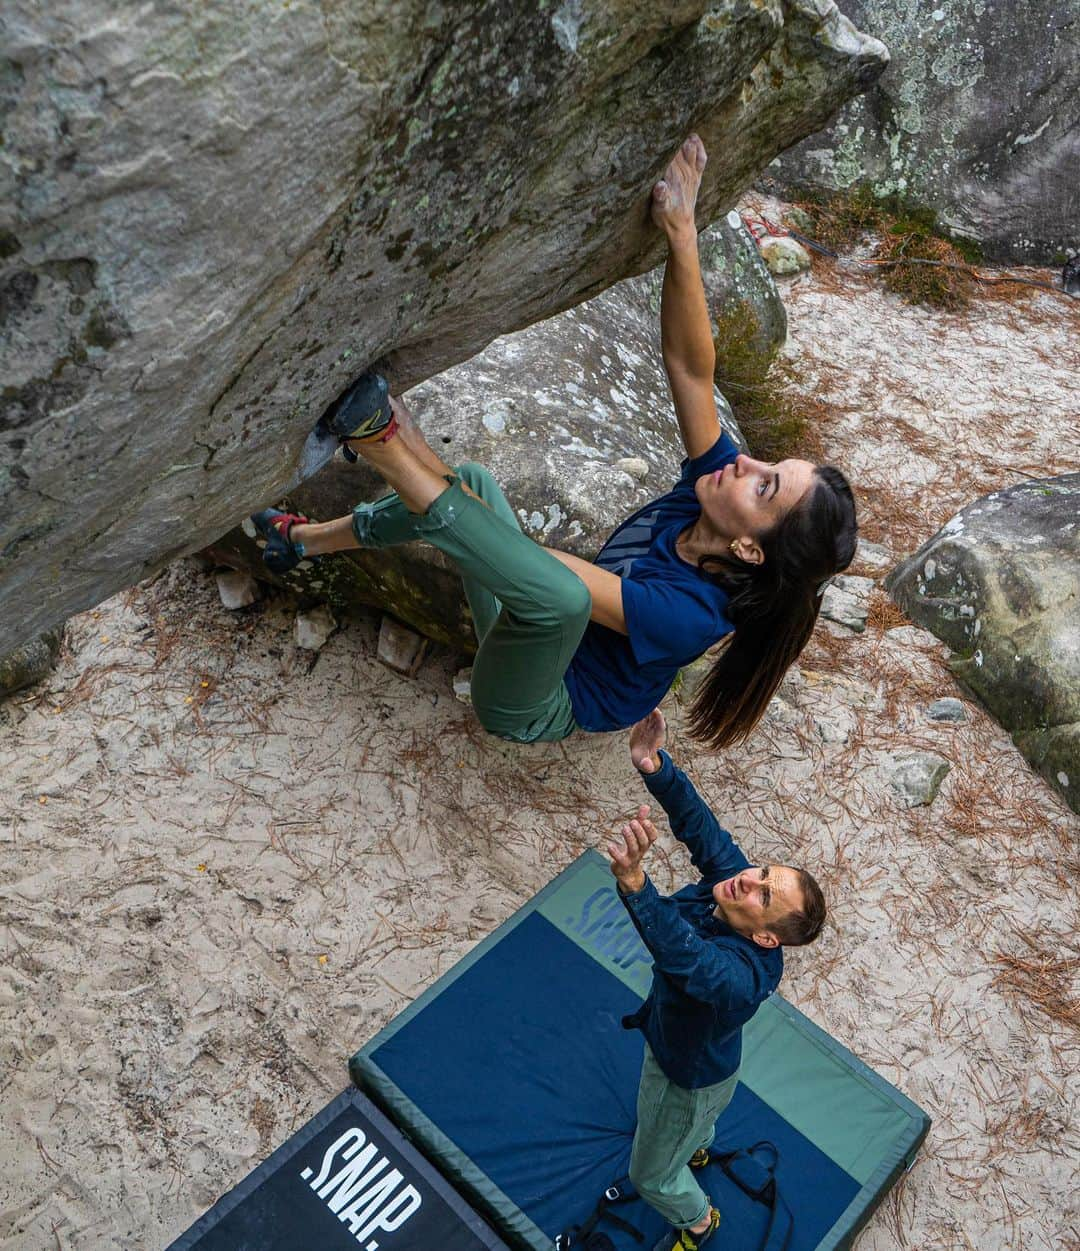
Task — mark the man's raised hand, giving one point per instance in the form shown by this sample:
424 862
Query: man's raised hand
646 739
628 852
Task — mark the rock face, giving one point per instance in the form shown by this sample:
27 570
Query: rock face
749 319
558 412
215 217
1000 584
978 118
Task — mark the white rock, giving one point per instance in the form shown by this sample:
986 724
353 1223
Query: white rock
872 554
784 256
636 466
312 629
400 648
847 601
237 588
463 685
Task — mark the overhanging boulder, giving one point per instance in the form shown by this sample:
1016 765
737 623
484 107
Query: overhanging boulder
1000 584
216 216
573 417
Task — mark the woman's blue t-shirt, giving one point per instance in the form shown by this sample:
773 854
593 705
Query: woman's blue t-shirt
673 611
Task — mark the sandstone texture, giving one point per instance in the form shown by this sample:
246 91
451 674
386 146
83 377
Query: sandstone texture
978 118
564 413
216 216
1000 584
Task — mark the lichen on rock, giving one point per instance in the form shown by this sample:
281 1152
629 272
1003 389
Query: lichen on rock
977 119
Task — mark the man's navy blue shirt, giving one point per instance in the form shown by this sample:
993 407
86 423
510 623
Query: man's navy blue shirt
674 612
707 980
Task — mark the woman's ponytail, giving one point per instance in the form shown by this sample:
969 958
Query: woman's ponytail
773 607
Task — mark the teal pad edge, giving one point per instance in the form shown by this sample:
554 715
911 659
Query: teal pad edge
894 1162
509 1218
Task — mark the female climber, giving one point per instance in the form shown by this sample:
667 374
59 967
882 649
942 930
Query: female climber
737 548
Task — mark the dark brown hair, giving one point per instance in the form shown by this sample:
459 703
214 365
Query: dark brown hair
797 928
773 607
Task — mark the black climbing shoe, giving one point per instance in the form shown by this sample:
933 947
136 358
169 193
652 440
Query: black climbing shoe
280 553
363 412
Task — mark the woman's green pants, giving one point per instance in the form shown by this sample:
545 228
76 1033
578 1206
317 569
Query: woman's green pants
529 610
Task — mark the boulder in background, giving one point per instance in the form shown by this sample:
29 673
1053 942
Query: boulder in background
1000 584
977 118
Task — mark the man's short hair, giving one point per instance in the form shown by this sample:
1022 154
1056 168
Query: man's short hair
801 926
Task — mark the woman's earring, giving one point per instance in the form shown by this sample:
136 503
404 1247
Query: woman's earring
732 546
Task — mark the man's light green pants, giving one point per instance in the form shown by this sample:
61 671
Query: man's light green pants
673 1123
528 609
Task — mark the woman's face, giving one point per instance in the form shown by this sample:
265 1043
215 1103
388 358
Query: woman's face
748 497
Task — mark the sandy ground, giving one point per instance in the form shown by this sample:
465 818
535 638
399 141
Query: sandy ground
226 862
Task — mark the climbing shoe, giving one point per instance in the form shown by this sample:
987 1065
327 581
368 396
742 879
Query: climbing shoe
700 1158
363 412
280 553
687 1241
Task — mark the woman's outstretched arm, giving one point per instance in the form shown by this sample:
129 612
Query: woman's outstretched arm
685 329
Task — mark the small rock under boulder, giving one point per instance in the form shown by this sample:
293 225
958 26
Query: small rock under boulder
400 648
312 629
462 685
1000 584
237 589
31 662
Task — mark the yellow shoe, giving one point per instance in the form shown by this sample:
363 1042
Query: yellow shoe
688 1241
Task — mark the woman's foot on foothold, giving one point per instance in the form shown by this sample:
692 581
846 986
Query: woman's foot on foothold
674 197
281 553
364 414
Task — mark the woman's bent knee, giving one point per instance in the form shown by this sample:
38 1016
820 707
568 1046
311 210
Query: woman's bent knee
477 478
575 601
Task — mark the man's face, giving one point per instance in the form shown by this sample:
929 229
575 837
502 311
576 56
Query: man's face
755 898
